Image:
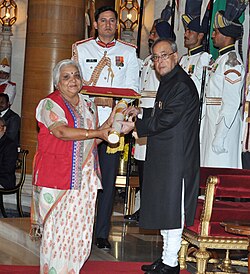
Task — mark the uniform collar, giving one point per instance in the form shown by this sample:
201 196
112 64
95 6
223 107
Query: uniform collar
226 49
4 82
104 45
195 50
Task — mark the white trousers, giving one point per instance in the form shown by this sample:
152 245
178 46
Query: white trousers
172 239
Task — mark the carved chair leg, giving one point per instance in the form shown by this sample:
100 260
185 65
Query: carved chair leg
202 257
19 203
183 254
2 207
226 264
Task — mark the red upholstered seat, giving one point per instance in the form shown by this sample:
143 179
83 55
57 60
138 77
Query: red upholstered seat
222 211
226 198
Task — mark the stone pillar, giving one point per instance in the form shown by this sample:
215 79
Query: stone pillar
52 27
6 44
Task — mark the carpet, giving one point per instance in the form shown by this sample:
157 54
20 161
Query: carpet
91 267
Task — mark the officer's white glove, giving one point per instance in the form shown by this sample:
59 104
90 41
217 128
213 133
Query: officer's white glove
219 138
218 145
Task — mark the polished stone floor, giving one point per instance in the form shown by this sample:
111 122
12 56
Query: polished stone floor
129 243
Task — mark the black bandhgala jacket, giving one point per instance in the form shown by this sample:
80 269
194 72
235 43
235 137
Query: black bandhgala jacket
173 154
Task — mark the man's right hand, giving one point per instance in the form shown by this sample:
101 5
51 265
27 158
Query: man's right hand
132 111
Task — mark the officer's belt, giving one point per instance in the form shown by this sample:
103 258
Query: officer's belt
213 101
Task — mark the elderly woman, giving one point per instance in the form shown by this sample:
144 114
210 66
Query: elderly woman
66 173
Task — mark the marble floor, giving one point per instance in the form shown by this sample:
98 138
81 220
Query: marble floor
129 243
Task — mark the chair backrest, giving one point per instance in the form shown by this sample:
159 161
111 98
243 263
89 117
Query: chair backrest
205 172
227 196
232 182
21 164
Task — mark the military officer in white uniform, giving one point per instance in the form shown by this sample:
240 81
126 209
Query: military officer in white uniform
221 138
7 86
196 58
106 62
149 83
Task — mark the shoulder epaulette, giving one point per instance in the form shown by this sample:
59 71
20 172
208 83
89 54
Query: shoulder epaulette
83 41
127 43
232 60
12 83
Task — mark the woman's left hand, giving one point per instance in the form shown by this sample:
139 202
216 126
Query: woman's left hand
110 120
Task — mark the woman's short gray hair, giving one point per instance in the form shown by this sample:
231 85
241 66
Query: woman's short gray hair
58 67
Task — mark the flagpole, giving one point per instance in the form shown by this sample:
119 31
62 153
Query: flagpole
173 14
206 48
130 142
140 28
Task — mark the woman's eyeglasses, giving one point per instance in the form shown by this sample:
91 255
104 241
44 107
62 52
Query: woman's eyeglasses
164 56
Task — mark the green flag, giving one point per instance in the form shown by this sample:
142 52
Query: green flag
218 5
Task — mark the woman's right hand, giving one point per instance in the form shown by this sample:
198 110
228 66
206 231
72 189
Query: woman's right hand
103 133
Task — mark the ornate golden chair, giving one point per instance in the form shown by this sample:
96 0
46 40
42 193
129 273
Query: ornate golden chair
226 198
20 165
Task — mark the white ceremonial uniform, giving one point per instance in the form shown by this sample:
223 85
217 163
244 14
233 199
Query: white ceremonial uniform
193 64
119 66
221 138
148 82
9 88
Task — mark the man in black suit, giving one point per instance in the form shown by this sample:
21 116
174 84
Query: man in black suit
171 174
8 157
12 119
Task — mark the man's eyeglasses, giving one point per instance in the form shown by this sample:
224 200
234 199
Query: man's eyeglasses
164 56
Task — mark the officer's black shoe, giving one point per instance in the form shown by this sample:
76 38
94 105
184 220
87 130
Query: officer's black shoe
164 269
148 267
103 243
134 217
